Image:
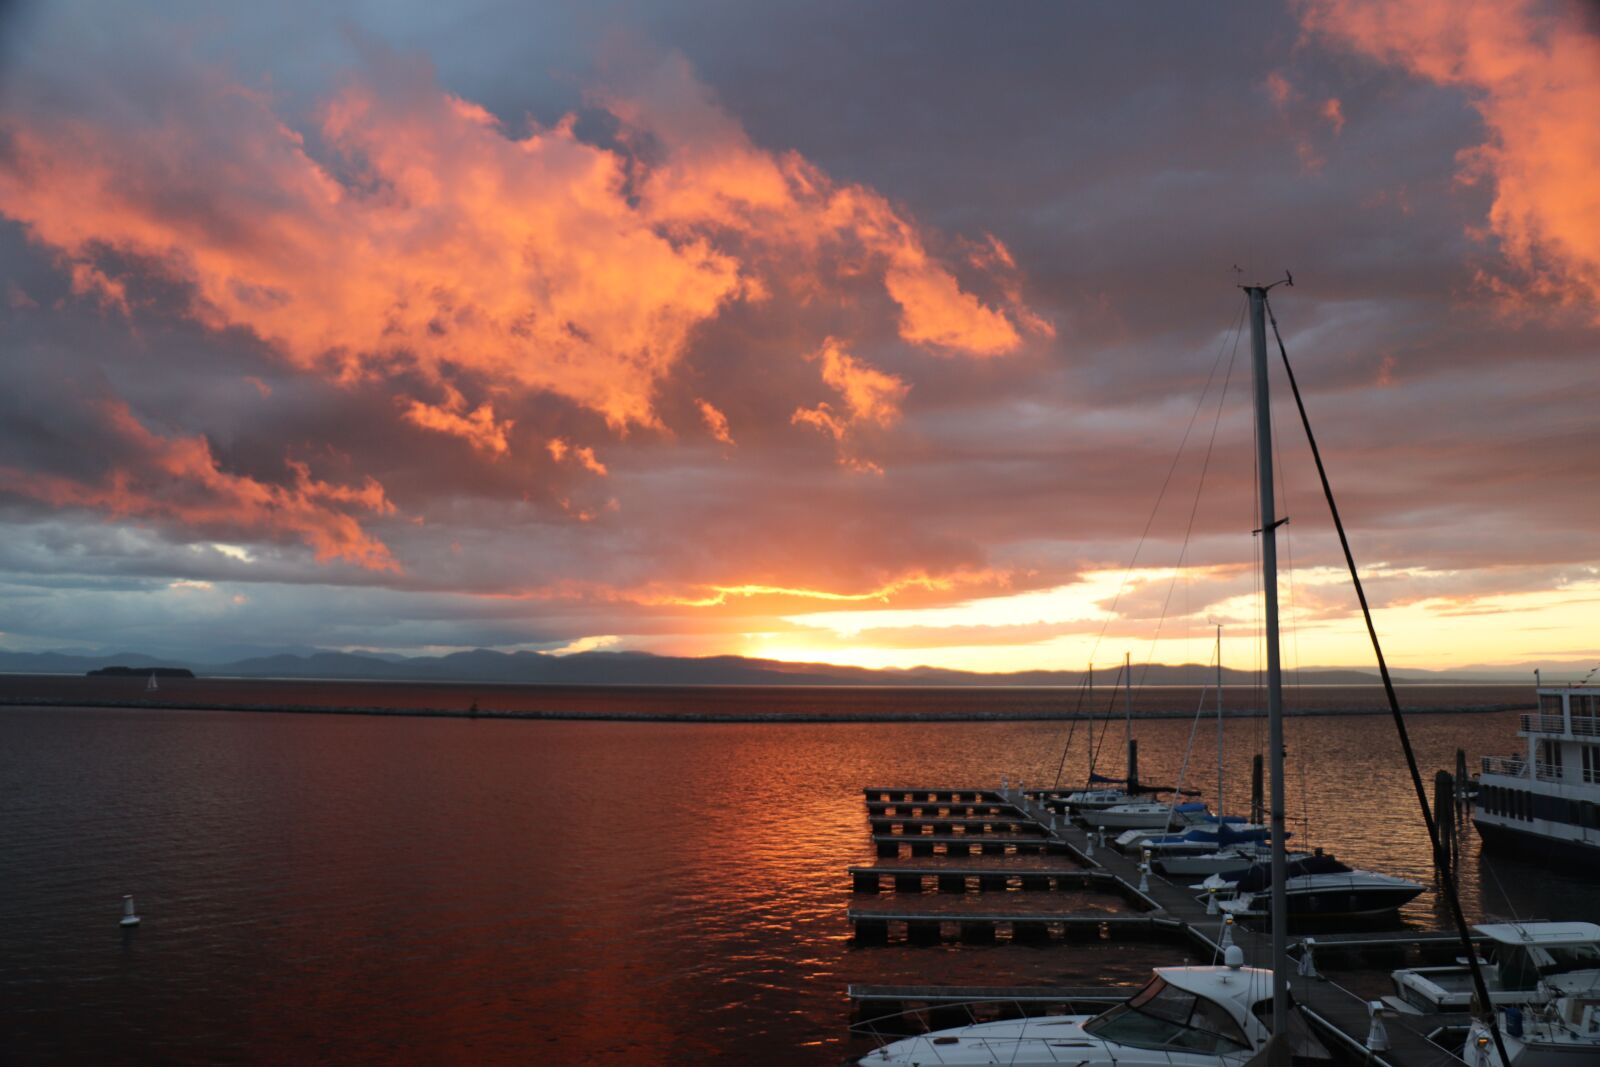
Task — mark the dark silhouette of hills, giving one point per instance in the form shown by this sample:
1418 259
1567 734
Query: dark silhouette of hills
642 668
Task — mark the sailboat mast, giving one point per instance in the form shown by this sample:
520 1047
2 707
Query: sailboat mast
1269 587
1219 721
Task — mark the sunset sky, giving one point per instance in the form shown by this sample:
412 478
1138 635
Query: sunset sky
857 333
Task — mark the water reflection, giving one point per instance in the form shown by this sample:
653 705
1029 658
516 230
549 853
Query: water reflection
413 890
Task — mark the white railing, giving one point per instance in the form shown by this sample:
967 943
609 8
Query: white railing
1547 772
1586 726
1507 765
1534 723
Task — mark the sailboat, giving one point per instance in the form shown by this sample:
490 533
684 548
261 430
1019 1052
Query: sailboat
1089 802
151 686
1224 1016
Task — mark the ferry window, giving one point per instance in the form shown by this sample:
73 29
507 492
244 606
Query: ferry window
1549 704
1591 763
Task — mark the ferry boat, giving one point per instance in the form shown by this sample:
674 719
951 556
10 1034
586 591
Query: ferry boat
1545 800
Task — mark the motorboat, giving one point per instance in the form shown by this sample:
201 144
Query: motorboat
1524 964
1184 1017
1315 887
1564 1031
1557 1022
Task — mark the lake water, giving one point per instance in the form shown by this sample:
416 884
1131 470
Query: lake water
331 888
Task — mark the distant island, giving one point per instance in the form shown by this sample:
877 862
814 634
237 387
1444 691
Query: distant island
643 668
142 672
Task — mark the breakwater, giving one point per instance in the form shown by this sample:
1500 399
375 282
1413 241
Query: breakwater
842 716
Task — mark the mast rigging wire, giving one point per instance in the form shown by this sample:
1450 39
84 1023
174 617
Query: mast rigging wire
1237 331
1440 859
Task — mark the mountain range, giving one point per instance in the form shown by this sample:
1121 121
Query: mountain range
643 668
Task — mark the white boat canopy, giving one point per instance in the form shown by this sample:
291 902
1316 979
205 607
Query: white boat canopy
1540 933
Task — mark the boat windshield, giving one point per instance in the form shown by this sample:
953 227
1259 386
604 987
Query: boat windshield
1162 1016
1563 959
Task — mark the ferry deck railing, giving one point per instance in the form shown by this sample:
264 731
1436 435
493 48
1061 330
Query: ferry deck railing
1547 772
1536 723
1510 766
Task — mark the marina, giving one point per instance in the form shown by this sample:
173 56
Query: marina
1217 1014
1167 911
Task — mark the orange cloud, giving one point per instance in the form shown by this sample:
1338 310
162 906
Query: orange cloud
1333 111
715 421
440 241
714 177
710 596
870 397
179 480
1278 90
477 427
421 236
1533 72
584 456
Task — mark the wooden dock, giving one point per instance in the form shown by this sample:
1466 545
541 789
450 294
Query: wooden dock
1017 844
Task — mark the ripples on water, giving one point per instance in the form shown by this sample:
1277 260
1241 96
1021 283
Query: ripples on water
338 888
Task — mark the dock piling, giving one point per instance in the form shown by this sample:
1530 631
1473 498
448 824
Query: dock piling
1444 814
1257 808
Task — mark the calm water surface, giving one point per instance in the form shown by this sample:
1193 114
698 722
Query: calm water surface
342 888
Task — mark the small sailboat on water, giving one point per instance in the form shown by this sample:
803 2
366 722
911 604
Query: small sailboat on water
151 686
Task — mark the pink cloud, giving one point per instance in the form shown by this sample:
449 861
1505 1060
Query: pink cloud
1533 73
179 480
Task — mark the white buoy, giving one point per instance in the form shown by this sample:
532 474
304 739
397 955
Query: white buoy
1233 957
129 916
1377 1035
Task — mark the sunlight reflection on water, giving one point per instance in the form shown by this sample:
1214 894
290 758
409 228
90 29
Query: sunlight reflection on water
415 890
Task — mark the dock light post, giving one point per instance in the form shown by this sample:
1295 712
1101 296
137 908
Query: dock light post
1377 1035
1308 965
1227 931
1211 900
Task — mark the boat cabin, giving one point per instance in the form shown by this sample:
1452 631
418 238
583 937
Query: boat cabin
1525 962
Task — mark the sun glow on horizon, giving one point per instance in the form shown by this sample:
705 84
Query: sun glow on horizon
1068 626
